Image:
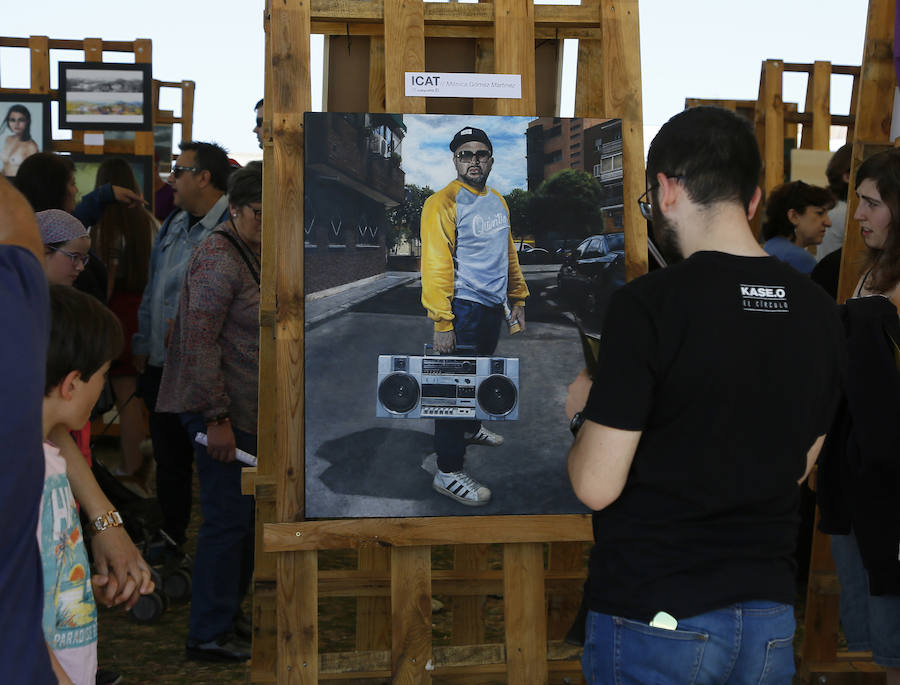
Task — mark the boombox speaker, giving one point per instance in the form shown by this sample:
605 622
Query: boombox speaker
482 388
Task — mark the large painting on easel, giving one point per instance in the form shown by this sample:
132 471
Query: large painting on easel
424 236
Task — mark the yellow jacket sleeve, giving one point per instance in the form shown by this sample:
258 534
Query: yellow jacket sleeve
516 289
438 230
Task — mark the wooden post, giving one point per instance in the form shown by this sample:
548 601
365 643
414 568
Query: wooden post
772 108
526 623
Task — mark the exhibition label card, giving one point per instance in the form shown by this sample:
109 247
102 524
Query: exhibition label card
441 85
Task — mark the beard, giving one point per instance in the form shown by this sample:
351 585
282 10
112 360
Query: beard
666 237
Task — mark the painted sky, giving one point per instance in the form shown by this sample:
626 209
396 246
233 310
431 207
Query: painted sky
427 159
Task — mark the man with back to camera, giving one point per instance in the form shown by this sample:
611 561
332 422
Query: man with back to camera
469 270
692 449
199 178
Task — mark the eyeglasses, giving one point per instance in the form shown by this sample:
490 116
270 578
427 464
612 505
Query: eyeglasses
178 170
257 213
74 256
467 155
644 203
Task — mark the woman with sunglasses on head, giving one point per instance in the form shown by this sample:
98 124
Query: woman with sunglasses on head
210 380
859 468
19 145
796 217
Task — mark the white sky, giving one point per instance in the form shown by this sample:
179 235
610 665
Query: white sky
689 48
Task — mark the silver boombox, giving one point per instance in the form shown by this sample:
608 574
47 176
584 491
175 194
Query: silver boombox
447 387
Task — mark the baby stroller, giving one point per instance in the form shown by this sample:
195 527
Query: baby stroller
170 565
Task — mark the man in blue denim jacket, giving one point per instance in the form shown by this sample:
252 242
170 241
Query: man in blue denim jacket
199 178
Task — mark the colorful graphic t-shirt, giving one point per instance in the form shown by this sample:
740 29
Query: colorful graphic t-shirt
70 614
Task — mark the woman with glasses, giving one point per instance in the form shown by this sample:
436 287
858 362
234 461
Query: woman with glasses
66 245
796 217
19 145
210 380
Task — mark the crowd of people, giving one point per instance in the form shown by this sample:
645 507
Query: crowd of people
734 373
102 294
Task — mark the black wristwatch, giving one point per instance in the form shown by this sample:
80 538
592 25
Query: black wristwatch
575 423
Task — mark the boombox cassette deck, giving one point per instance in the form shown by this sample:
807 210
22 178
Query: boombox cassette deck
448 387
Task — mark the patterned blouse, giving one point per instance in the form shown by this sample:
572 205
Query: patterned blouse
212 362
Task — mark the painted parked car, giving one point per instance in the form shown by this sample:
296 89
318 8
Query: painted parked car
591 272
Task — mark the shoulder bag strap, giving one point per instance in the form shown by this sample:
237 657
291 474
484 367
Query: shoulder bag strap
233 241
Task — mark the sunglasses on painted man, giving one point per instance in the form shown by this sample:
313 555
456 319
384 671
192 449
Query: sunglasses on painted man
467 155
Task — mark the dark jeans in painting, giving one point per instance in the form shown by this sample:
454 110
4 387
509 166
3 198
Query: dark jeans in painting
478 326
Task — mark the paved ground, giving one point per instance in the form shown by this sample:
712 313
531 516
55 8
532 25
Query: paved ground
358 465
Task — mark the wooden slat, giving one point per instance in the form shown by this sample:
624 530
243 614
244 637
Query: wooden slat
353 533
525 613
821 106
484 64
772 108
404 23
297 660
564 557
621 67
93 52
411 655
143 140
514 51
330 28
187 110
376 74
468 612
589 89
456 14
873 121
373 614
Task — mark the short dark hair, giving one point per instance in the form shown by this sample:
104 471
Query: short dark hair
259 104
713 150
838 165
43 179
245 185
21 109
84 335
883 169
213 158
795 195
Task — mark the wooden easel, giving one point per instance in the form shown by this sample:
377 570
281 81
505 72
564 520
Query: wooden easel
394 580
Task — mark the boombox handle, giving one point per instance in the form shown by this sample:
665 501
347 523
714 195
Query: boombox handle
470 349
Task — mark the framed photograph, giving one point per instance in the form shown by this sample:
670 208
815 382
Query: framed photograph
86 167
105 97
498 204
24 129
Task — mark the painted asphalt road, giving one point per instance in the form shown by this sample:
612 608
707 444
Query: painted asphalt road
358 465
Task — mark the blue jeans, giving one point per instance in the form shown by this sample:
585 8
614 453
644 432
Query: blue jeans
750 642
870 622
223 564
478 326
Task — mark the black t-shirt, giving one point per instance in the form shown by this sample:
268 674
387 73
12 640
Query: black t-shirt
729 366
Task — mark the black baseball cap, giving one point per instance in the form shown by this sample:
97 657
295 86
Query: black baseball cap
468 134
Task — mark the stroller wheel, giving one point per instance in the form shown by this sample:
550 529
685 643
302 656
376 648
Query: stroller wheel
156 577
148 608
177 585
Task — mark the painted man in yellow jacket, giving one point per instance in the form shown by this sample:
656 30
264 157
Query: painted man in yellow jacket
469 270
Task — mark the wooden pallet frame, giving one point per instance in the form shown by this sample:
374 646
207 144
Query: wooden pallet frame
39 48
394 580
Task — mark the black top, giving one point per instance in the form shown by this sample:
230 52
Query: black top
729 366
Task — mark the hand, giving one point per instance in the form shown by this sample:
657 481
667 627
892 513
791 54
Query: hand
128 197
220 441
121 571
518 314
139 362
444 341
578 393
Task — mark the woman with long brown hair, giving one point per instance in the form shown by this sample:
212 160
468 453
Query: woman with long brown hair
123 237
859 484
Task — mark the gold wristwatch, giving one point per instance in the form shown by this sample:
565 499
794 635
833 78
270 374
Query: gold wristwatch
111 519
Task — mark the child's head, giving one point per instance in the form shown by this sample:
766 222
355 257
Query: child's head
85 337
